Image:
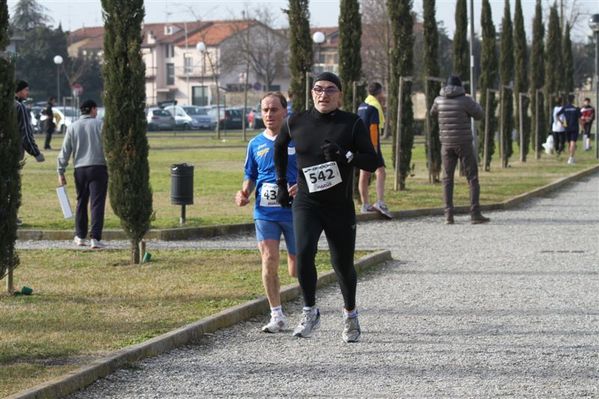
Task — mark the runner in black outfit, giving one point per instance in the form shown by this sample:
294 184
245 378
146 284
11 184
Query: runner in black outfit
329 143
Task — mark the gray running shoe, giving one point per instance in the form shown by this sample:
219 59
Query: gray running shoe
351 331
310 321
382 208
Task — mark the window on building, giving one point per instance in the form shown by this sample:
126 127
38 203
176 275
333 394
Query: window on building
169 50
188 62
170 74
199 95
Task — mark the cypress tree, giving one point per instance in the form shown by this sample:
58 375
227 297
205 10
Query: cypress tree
300 50
461 51
537 75
488 80
431 64
506 73
350 60
10 142
401 21
568 62
125 141
521 76
553 60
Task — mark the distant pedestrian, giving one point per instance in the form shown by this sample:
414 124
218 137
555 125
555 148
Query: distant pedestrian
587 116
83 140
50 123
270 218
571 117
454 110
371 113
558 126
24 122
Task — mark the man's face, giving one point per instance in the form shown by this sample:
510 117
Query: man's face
587 103
93 112
326 96
273 113
23 94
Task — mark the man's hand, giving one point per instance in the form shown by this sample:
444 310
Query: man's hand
293 190
283 197
242 198
332 152
40 157
62 181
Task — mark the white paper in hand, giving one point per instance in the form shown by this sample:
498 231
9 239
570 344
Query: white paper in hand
65 205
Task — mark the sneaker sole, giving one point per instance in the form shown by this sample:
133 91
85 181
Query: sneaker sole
479 221
351 341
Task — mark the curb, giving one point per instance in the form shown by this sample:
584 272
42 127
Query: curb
100 368
196 233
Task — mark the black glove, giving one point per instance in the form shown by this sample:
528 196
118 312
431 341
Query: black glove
332 152
283 197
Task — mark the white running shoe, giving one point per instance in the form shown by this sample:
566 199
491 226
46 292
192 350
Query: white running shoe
82 242
351 330
97 244
571 161
275 325
382 208
310 321
367 208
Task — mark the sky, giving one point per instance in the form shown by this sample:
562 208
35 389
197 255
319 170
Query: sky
78 13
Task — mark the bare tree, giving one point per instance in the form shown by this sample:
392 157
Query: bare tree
257 44
376 41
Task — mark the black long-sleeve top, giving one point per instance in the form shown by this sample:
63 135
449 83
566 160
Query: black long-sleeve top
24 122
310 130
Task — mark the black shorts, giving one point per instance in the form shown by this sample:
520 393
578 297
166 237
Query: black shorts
572 136
381 160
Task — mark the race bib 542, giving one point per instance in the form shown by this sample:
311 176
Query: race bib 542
322 177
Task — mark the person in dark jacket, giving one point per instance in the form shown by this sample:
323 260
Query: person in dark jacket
50 125
24 122
454 110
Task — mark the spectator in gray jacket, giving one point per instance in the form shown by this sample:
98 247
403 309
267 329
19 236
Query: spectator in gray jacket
454 110
84 141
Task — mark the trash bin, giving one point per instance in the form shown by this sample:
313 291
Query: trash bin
182 184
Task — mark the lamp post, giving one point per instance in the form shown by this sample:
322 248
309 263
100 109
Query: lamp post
58 61
317 38
201 47
594 24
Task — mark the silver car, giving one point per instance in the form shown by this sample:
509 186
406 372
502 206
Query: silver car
159 119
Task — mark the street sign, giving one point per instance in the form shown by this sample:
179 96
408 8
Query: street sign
77 89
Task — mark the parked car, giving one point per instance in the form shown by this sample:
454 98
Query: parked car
64 117
201 117
159 119
254 118
182 119
36 115
101 113
230 118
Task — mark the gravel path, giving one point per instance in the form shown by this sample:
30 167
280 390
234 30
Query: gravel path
507 309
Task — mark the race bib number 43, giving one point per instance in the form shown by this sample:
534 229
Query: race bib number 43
268 195
322 177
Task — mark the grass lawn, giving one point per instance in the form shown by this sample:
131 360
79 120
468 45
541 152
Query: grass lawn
88 303
218 175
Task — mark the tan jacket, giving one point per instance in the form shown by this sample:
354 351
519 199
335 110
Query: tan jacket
454 110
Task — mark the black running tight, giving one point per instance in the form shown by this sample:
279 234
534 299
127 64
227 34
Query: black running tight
339 226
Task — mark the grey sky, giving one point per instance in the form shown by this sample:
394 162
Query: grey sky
75 14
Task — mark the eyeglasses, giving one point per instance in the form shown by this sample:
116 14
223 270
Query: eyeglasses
328 90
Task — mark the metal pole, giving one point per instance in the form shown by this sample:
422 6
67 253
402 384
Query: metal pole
307 89
427 127
182 218
521 127
473 80
501 141
58 83
398 134
487 123
537 153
